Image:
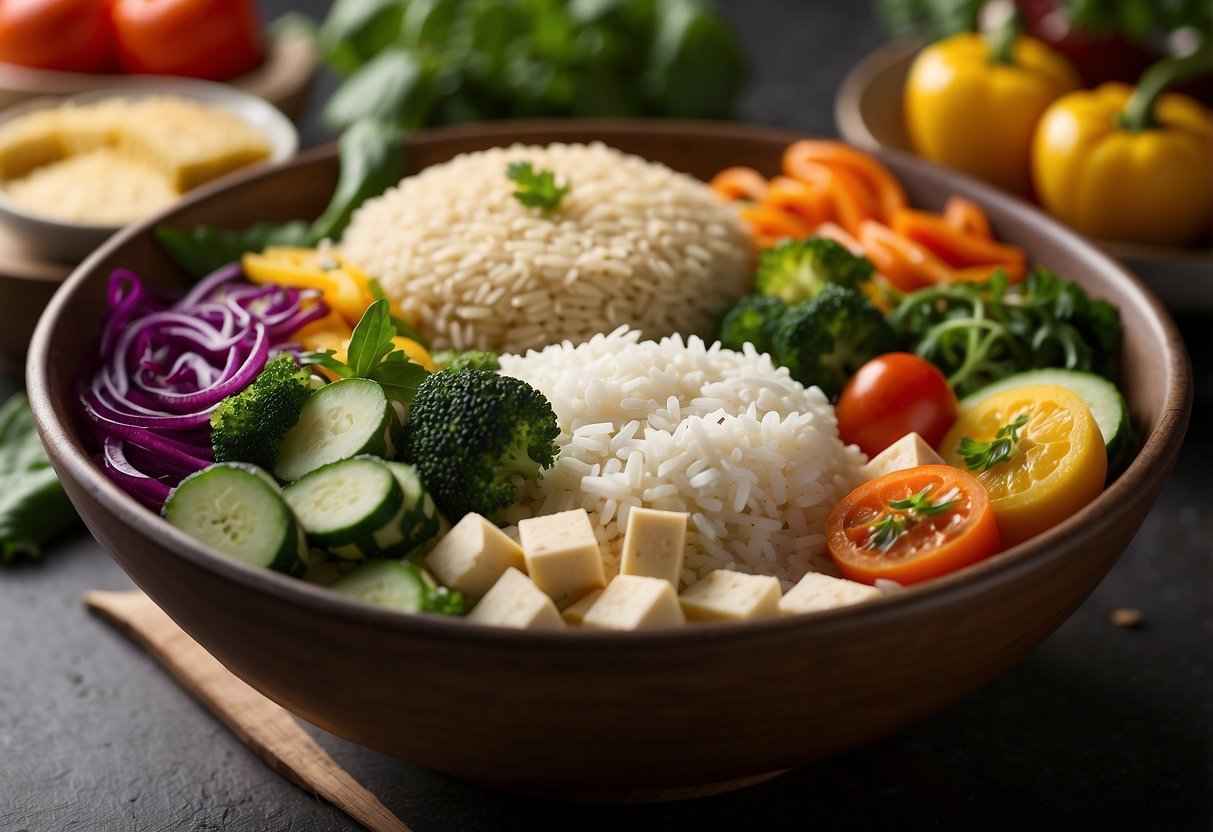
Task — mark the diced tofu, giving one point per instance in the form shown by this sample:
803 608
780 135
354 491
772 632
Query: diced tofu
635 602
575 612
514 601
909 451
562 555
653 544
725 595
822 592
473 555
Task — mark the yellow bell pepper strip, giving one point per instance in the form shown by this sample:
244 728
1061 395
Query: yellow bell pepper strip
972 101
1130 165
345 287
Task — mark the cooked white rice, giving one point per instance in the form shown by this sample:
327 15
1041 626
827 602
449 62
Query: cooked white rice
632 243
748 452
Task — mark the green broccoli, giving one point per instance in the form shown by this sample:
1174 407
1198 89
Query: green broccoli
751 319
461 359
469 430
823 341
798 270
247 426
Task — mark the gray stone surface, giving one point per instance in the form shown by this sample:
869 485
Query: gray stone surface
1100 728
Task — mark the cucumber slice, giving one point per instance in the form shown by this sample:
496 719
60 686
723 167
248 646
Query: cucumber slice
420 520
339 421
345 501
1105 402
239 510
394 584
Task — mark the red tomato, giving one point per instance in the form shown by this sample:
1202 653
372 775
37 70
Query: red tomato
68 35
213 39
912 525
892 395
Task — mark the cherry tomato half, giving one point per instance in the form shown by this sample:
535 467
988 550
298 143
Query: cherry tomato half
912 525
213 39
892 395
67 35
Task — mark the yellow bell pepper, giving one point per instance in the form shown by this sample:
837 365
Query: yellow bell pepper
1131 165
346 289
972 101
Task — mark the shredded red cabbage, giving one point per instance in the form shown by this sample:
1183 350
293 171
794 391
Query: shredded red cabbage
162 369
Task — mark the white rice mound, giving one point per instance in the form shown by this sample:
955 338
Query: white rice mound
632 243
752 455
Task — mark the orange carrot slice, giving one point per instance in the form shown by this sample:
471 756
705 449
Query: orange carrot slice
740 183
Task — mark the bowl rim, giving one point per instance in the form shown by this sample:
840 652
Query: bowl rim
856 130
1081 528
278 129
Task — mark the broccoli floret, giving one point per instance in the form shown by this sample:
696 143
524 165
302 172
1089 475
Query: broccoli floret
798 270
753 318
469 431
823 341
247 426
461 359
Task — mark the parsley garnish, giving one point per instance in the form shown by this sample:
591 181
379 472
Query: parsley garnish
906 513
982 456
536 190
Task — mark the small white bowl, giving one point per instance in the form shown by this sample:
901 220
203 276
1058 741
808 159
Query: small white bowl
69 242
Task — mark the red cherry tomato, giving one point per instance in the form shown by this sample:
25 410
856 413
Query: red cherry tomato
213 39
892 395
67 35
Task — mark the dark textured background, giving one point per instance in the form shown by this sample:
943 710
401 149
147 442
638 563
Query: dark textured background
1100 728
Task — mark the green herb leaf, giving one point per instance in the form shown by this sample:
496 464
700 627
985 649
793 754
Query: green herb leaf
392 88
372 160
371 340
202 249
920 504
982 456
885 532
356 30
34 508
403 328
326 359
536 190
398 375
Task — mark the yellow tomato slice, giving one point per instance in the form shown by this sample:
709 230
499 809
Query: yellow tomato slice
1058 465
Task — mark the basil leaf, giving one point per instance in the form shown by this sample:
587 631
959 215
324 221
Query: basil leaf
34 508
398 375
372 160
371 340
357 30
392 88
202 249
326 360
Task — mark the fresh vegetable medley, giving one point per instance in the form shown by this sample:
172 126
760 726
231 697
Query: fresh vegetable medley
286 412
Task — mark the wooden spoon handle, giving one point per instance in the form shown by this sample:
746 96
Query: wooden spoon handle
264 726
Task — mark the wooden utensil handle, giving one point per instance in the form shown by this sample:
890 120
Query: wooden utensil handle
265 727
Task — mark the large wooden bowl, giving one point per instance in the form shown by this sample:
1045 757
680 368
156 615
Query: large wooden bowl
868 112
597 711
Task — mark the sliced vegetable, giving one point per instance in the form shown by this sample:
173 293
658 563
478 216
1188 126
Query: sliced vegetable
892 395
1038 452
1100 396
345 501
396 585
339 421
239 510
912 525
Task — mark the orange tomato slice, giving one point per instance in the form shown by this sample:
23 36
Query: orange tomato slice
959 529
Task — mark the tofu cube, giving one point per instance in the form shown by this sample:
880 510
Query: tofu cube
653 544
514 601
575 612
821 592
725 595
473 555
562 555
909 451
635 602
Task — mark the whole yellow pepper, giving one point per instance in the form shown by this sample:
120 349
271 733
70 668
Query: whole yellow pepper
1132 165
972 101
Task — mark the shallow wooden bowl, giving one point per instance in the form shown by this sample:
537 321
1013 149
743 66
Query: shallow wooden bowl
868 112
595 712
